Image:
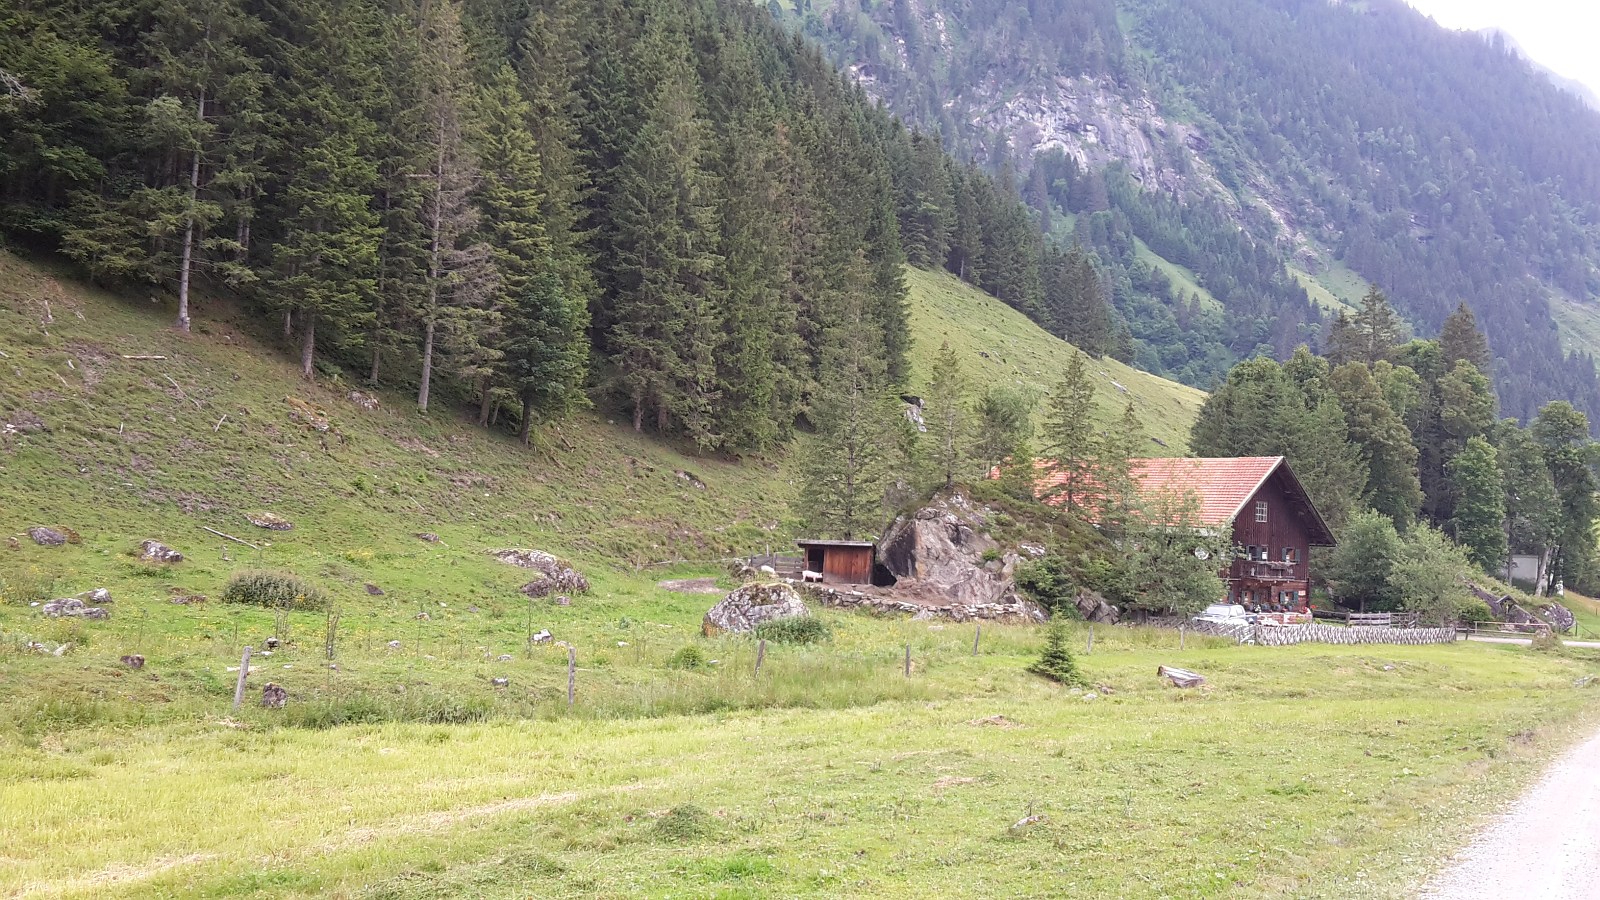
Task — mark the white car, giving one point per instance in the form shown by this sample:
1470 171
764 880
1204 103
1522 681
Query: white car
1226 614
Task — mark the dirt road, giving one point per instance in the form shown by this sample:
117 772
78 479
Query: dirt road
1546 847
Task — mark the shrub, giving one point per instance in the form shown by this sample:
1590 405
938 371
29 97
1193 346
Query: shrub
276 589
991 555
1047 582
1056 663
689 656
1546 641
795 630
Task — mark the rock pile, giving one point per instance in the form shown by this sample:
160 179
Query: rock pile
749 606
958 612
274 696
364 400
553 573
73 608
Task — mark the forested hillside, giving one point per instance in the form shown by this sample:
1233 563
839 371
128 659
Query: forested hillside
1276 151
676 210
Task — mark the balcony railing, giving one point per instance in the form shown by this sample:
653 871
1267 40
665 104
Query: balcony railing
1266 570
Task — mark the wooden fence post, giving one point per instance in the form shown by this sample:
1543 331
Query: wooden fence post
975 635
1090 647
761 654
238 689
908 660
572 675
1180 637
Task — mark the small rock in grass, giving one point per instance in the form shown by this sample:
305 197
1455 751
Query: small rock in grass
543 637
504 657
269 521
73 608
13 544
499 682
364 400
373 590
394 645
273 696
98 595
133 661
428 536
423 617
272 643
47 537
155 551
563 600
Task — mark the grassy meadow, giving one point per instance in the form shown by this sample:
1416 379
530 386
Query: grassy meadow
400 769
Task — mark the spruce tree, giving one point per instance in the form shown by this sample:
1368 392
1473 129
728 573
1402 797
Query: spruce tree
665 317
844 464
1056 662
1460 340
1533 512
1071 446
1378 328
461 281
1383 441
945 410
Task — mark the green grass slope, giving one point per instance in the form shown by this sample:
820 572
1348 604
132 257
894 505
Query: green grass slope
998 344
403 770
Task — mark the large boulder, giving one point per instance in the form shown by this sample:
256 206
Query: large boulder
73 608
940 550
747 607
45 536
552 573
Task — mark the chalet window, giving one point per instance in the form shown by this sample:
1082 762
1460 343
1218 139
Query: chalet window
1288 554
1261 510
1251 552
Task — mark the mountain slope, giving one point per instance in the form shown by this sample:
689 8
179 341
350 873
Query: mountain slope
1354 137
161 448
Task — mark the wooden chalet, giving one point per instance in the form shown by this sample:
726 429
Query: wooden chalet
840 562
1263 505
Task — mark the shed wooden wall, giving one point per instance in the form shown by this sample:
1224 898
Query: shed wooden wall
847 565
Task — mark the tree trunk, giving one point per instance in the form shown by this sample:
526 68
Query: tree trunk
288 323
483 402
526 430
434 273
638 412
427 366
308 346
372 376
186 262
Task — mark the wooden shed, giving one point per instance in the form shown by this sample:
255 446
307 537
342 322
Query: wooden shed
840 562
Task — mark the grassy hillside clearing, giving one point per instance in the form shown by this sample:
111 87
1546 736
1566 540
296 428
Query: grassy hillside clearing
1183 280
998 344
403 770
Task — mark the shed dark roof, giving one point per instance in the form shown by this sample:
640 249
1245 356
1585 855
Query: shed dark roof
812 543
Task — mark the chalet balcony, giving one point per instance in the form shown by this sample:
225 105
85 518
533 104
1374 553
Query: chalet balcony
1267 570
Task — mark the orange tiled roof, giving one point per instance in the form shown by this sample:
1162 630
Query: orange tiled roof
1222 485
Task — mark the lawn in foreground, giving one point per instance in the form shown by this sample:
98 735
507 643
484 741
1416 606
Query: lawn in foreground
1306 771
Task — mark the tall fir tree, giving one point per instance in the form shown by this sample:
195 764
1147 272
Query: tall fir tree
945 410
1071 444
1460 340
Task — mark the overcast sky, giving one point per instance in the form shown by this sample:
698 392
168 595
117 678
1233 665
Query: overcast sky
1560 34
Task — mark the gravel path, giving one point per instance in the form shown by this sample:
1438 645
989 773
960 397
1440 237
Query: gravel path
1547 847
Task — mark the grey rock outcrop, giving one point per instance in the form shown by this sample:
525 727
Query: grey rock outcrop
274 696
939 551
45 536
747 607
155 551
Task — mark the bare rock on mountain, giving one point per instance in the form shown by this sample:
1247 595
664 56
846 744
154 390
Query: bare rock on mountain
941 549
747 607
552 572
155 551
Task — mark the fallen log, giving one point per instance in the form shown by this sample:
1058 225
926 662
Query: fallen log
230 537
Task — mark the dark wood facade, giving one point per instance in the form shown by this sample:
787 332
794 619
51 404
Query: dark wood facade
840 562
1274 532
